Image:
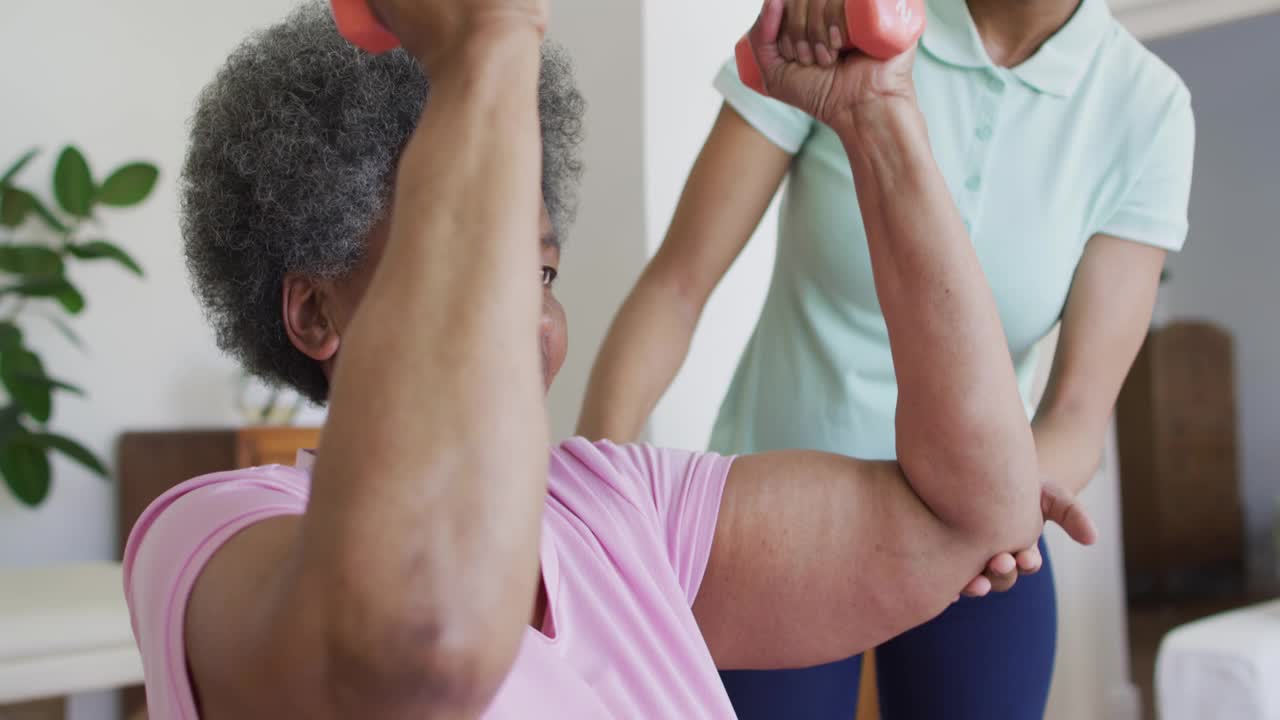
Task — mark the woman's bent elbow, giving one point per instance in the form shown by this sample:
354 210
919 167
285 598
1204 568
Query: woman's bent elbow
994 507
419 669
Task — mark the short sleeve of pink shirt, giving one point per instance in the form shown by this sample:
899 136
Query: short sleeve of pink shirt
683 491
169 546
614 515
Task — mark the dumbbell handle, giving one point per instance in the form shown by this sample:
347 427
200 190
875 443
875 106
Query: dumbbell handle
358 24
879 28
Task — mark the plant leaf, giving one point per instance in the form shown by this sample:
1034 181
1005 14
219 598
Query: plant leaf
9 423
71 299
49 218
15 205
17 366
16 168
103 250
70 448
52 286
10 336
26 470
46 286
63 328
128 185
51 383
72 183
35 260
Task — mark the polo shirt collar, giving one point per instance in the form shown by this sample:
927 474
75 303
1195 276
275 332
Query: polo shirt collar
1056 68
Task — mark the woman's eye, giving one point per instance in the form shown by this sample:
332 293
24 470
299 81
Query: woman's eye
548 276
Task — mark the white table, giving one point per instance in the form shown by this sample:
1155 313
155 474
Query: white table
64 630
1225 667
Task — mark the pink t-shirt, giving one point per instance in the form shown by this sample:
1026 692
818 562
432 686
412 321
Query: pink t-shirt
626 534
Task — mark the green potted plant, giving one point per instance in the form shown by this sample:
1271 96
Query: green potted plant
38 244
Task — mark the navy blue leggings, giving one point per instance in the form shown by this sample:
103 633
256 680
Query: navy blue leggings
983 658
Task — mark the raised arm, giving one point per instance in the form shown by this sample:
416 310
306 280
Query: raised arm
817 557
735 176
370 606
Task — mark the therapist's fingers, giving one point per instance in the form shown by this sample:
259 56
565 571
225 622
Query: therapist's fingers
977 587
1002 571
1029 561
1061 507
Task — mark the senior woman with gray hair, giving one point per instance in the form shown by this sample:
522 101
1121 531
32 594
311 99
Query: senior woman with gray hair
390 253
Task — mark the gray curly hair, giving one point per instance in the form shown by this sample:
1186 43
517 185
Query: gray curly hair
293 151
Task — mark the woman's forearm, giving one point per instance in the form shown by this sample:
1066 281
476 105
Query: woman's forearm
732 182
646 345
1069 448
963 437
1104 323
438 368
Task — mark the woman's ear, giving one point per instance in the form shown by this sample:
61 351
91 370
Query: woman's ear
307 318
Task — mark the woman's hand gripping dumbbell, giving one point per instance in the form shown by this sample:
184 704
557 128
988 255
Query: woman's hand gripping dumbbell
368 24
818 31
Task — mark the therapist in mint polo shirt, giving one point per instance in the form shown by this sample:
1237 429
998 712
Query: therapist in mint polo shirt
1068 148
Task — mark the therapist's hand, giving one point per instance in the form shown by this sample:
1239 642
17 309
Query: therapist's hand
834 94
1058 506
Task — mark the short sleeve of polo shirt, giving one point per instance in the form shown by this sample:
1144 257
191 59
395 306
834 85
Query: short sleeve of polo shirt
782 124
1154 209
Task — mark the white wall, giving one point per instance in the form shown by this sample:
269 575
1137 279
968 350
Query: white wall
605 250
1158 18
685 45
1227 273
118 79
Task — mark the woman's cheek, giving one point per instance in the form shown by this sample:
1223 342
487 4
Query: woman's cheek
554 336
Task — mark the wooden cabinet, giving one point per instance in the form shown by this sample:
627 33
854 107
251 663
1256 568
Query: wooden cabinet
152 462
1176 426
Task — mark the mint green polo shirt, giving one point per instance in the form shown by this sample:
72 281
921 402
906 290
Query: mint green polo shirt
1093 134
